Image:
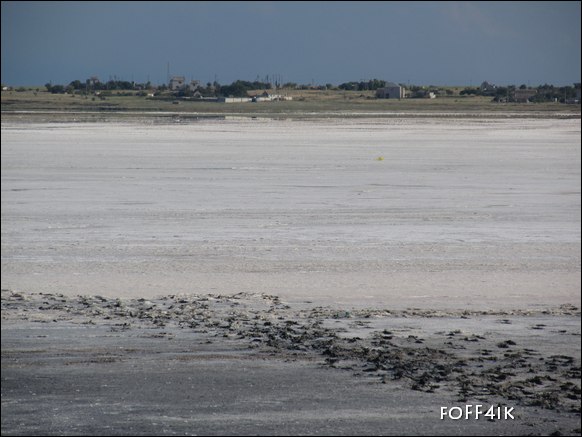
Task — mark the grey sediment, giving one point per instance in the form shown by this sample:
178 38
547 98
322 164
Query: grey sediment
473 365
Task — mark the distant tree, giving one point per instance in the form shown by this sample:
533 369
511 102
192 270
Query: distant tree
522 86
470 92
567 92
374 84
57 89
236 89
76 84
348 86
418 93
550 93
185 92
240 88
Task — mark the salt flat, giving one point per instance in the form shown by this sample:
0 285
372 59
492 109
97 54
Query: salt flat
256 276
459 213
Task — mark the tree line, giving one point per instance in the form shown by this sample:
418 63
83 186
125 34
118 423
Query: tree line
545 93
240 88
92 86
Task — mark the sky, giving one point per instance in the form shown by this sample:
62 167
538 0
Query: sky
424 43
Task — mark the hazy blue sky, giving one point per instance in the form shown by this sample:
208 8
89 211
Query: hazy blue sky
456 43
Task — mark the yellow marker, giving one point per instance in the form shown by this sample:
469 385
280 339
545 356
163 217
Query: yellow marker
380 158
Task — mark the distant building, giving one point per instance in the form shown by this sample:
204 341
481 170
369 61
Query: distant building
233 99
523 95
267 97
391 91
177 82
486 86
264 97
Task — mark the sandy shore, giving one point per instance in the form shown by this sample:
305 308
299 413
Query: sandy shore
290 276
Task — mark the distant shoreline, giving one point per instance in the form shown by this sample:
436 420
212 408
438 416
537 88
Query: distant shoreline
305 105
27 116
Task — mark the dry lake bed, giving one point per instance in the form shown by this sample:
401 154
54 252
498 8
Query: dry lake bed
261 276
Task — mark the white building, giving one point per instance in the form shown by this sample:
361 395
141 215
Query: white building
487 87
234 99
266 97
177 82
391 91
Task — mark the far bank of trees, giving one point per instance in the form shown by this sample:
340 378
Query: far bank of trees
241 88
545 93
369 85
89 86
